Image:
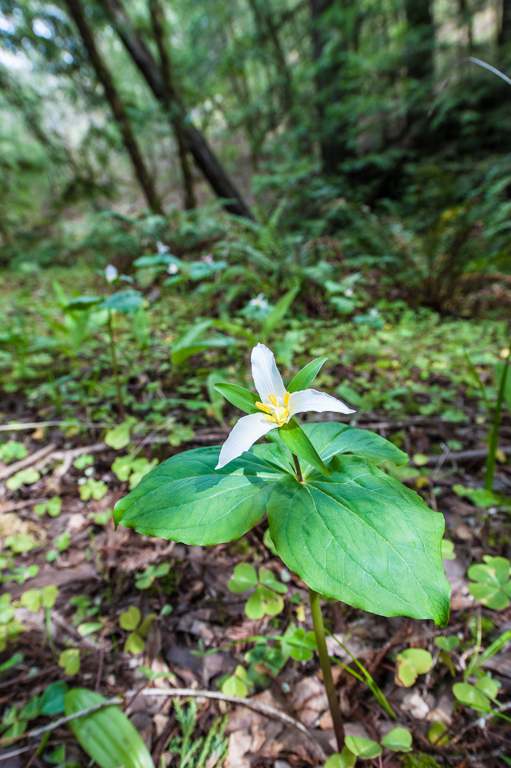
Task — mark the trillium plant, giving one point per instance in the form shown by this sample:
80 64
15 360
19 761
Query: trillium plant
350 531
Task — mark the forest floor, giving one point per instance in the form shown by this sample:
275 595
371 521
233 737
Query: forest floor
409 381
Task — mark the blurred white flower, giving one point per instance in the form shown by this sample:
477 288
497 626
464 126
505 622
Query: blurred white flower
259 301
173 269
111 273
373 312
348 292
162 248
208 258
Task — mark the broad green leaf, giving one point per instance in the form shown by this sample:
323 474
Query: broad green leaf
267 578
366 749
80 303
492 597
69 660
242 398
119 436
330 439
134 643
490 574
447 643
500 568
236 684
488 686
344 759
146 625
436 734
7 613
298 443
49 596
187 500
471 696
88 627
21 543
243 578
398 740
107 736
130 619
15 659
363 538
306 376
262 602
31 600
410 664
123 301
32 709
52 700
23 477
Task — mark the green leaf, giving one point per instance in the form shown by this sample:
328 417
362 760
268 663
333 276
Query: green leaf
267 578
134 643
366 749
436 734
279 311
362 538
107 736
130 619
240 397
448 550
447 643
344 759
306 376
492 597
471 696
263 602
52 700
494 572
49 596
243 578
88 627
488 686
23 477
398 740
298 443
146 625
119 437
32 709
410 664
236 684
69 660
123 301
191 342
331 439
31 600
187 500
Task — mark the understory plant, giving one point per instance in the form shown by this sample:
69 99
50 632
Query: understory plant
350 531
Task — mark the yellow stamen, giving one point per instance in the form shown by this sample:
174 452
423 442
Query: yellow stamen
276 412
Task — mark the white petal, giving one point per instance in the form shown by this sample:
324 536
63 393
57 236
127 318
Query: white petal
312 400
267 378
243 436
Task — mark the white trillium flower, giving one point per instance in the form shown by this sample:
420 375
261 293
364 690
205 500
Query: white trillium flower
259 301
277 406
111 273
162 249
173 269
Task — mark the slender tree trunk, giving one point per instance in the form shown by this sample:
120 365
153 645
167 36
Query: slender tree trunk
202 153
144 178
267 30
174 115
329 78
466 21
421 33
505 29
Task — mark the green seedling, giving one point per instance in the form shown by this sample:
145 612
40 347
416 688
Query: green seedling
69 660
83 461
52 507
493 584
138 630
266 598
93 489
11 451
10 628
145 580
23 477
126 467
410 664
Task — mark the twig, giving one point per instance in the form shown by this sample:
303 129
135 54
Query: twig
7 755
11 469
502 708
62 721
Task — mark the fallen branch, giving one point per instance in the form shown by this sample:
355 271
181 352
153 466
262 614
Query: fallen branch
480 453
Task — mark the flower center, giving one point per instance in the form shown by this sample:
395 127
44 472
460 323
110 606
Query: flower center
277 411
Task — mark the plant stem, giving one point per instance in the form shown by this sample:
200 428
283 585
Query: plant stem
114 366
333 703
493 437
298 470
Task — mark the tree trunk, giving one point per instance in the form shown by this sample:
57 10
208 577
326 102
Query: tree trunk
267 30
421 33
333 136
116 105
174 115
505 29
202 153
